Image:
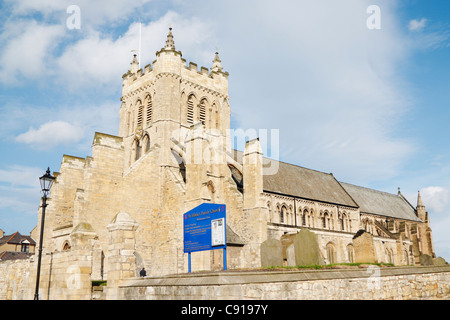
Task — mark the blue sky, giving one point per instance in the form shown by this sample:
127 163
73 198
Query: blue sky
369 105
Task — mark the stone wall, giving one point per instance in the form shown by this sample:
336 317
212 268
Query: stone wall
14 279
373 283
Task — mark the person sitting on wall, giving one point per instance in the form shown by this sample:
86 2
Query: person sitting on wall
143 273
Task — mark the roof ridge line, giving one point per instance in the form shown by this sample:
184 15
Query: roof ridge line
367 188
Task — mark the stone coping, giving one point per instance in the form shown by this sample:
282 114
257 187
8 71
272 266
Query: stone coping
249 277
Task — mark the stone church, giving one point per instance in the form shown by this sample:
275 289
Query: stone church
119 210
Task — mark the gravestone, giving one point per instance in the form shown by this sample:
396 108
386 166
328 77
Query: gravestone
364 247
271 253
287 249
426 260
439 261
306 249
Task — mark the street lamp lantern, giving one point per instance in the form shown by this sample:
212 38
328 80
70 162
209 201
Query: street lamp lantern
46 183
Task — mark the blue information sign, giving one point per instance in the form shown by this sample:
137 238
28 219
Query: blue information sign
205 229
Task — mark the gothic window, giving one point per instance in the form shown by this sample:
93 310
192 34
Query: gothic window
190 110
305 213
343 219
202 111
324 220
138 151
149 110
283 213
146 143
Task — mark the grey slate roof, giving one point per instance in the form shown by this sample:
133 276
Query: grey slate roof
296 181
381 203
307 184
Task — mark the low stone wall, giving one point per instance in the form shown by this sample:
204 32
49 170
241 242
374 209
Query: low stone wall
15 279
372 283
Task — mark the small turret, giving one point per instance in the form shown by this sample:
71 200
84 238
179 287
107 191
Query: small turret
134 64
170 44
217 66
421 211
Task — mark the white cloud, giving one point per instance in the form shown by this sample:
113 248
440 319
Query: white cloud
313 70
435 198
27 47
20 176
93 13
51 134
99 59
417 25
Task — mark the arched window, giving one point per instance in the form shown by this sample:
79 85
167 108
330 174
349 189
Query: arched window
406 256
283 212
190 110
138 151
331 253
66 246
342 220
146 143
350 253
305 213
324 220
149 110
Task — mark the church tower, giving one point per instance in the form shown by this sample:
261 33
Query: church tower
163 101
174 123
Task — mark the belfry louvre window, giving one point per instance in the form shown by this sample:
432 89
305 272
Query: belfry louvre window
140 114
190 110
202 112
149 110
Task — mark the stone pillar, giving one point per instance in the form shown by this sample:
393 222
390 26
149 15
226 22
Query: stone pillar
78 266
196 167
121 260
254 231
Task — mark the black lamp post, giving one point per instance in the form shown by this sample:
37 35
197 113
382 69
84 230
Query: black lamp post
46 183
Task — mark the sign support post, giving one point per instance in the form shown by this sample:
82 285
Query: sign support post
224 259
189 262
